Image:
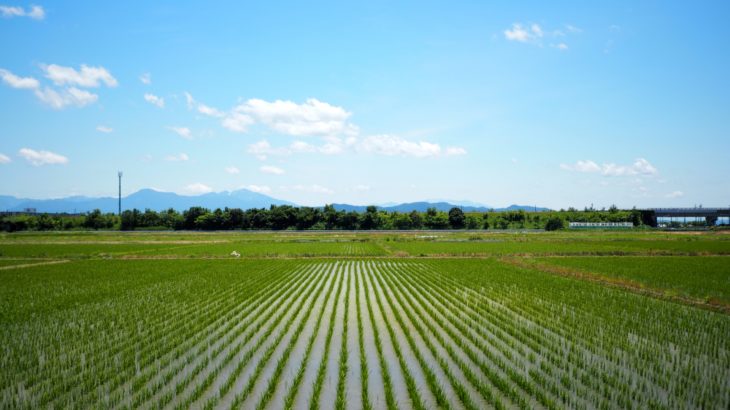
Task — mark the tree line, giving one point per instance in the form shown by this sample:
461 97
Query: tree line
287 217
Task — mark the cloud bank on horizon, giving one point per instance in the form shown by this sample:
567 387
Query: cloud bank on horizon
555 107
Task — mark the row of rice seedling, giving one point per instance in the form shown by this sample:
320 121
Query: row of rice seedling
651 352
703 278
318 383
341 401
149 364
268 249
385 333
550 246
243 394
210 357
196 340
92 344
231 387
67 349
293 389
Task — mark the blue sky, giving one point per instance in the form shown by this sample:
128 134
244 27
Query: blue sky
550 103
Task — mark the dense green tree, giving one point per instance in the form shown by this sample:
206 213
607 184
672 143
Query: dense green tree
349 220
435 219
370 219
485 221
416 220
555 223
456 218
402 221
307 217
330 217
96 220
191 215
472 222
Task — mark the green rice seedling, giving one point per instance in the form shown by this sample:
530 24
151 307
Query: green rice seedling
416 400
293 388
319 379
340 402
387 383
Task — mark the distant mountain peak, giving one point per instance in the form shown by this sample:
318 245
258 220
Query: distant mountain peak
146 198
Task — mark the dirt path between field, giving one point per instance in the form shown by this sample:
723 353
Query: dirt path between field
623 284
30 265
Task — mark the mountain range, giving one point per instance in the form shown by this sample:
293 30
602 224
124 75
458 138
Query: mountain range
242 198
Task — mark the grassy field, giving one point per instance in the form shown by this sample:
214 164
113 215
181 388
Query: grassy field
702 278
353 320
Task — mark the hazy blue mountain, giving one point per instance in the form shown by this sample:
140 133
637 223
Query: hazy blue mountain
8 202
441 206
460 202
526 208
142 199
242 198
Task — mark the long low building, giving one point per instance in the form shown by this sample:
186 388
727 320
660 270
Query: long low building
711 215
601 225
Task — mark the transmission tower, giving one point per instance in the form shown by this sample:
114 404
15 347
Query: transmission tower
119 174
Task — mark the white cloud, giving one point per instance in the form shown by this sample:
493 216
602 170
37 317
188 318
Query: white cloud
536 30
210 111
177 158
394 145
237 122
261 189
535 34
146 78
65 97
86 77
640 167
198 188
270 169
155 100
233 170
517 33
184 132
35 12
301 146
38 158
362 188
104 129
378 144
314 189
18 82
455 151
190 100
59 98
675 194
313 117
4 159
262 149
582 166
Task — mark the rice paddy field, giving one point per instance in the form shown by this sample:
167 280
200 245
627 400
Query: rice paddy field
365 320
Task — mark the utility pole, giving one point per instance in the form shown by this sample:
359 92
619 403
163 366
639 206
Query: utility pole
119 174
